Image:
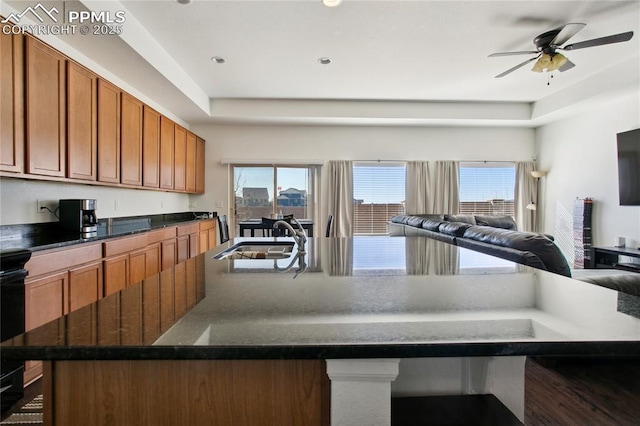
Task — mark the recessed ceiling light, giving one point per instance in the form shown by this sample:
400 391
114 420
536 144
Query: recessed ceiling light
324 60
331 3
218 60
183 1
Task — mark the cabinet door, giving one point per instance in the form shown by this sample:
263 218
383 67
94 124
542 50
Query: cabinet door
166 152
212 237
108 132
191 162
169 253
116 274
200 166
81 123
179 159
12 103
203 240
144 263
194 244
85 285
46 110
44 299
131 141
183 248
151 149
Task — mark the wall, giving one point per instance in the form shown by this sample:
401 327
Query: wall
19 200
324 143
580 153
265 142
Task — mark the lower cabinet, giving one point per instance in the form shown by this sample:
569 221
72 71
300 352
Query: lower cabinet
64 280
85 285
116 274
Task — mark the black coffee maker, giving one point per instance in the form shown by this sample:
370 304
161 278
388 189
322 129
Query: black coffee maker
79 216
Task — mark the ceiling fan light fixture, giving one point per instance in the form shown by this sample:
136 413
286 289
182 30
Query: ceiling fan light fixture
542 63
558 60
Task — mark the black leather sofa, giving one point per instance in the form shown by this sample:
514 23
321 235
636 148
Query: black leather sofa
494 235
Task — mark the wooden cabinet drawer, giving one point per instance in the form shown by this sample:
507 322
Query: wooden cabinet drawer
160 235
188 229
207 224
62 259
124 245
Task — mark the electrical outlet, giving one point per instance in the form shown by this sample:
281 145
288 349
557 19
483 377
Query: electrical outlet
116 205
39 205
218 204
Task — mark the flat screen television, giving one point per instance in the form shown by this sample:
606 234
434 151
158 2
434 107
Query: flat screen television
629 167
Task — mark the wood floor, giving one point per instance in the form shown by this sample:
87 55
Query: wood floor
575 391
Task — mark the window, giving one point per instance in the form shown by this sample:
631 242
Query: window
260 191
487 188
378 192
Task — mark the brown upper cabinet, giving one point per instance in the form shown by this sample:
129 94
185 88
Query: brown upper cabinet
200 166
46 110
12 103
82 105
108 132
166 152
151 148
180 159
131 141
191 162
61 122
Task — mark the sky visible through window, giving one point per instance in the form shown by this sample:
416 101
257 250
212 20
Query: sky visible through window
379 184
487 183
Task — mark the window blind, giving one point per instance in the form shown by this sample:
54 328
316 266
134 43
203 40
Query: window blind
378 192
487 188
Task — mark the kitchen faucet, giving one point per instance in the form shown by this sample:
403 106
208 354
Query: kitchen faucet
298 235
302 265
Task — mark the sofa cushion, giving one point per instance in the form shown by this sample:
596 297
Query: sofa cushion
456 229
464 218
399 218
538 244
432 224
415 221
504 222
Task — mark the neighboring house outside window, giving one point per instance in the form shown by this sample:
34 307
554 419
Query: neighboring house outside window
260 191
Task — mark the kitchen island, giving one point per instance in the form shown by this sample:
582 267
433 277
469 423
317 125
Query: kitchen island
262 337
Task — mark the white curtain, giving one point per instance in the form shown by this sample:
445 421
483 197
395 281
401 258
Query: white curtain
417 187
525 193
446 191
341 197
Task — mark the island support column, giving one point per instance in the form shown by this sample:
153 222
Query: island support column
361 391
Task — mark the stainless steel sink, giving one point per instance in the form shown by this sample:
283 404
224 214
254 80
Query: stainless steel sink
257 250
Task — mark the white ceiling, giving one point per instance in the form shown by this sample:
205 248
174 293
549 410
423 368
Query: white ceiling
399 61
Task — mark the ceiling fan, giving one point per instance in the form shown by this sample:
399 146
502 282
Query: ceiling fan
547 46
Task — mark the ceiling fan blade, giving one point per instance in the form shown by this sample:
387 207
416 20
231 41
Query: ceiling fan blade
616 38
566 32
510 70
523 52
567 66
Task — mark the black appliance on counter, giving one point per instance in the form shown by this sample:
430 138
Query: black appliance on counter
79 216
12 275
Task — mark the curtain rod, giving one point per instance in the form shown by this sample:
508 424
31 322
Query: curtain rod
380 161
487 161
459 161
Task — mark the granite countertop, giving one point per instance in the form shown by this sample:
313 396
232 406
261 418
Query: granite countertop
45 236
362 297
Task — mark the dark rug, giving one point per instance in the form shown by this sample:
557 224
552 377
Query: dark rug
29 414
